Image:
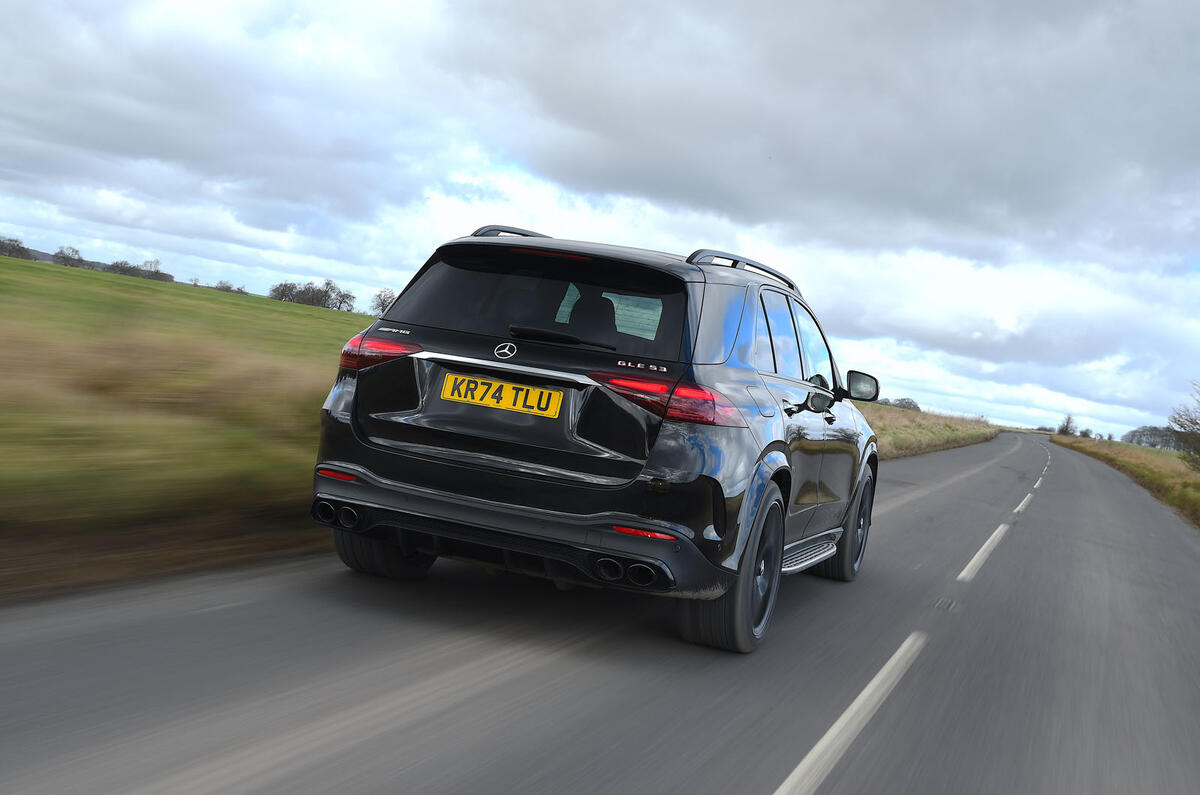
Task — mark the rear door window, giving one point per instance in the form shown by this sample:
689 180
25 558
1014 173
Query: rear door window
783 335
764 357
486 289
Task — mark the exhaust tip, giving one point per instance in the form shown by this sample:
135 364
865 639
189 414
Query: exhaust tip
609 569
642 575
347 517
325 512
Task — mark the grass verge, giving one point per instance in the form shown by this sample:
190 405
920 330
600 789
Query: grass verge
1161 472
903 432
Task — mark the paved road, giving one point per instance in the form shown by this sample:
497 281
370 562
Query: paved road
1060 654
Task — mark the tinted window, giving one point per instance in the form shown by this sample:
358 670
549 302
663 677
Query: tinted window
783 335
719 322
484 290
764 358
820 363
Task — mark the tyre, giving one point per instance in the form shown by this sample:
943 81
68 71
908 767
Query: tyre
738 620
373 556
852 546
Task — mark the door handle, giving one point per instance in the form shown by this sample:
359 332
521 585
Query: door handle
830 417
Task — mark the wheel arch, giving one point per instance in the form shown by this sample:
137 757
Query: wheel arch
771 468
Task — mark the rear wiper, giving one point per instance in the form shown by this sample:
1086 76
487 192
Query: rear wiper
550 335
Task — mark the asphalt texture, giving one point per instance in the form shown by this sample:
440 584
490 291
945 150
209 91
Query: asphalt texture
1063 657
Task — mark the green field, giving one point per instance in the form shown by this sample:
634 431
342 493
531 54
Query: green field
152 427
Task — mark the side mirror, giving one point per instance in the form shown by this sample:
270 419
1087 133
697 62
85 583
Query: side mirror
818 402
861 386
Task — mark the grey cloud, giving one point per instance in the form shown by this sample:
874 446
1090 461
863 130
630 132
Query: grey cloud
954 126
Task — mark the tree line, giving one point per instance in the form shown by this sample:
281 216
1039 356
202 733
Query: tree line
1181 433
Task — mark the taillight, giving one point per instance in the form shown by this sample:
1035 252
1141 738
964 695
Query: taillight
685 403
363 351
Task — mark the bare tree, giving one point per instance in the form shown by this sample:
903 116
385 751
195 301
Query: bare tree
1067 427
382 300
224 286
906 403
69 256
1086 433
12 247
152 264
1185 422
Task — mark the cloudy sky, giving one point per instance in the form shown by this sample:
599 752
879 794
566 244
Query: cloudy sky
993 206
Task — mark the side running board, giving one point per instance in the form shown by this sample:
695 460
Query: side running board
801 559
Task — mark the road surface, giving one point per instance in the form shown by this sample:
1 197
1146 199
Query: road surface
1028 620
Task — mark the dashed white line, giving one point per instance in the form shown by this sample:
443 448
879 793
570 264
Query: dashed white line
1024 503
814 767
1039 482
968 573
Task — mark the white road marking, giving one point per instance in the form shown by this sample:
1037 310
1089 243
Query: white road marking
814 767
1039 482
1024 503
968 573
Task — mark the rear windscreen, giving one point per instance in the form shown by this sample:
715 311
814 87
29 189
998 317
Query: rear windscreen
485 290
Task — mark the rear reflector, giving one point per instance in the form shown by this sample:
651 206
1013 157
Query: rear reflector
683 401
633 531
330 473
362 351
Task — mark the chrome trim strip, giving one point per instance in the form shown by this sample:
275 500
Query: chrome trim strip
499 365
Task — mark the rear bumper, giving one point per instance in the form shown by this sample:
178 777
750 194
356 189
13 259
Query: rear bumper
553 544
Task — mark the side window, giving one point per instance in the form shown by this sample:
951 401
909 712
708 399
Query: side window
820 363
764 359
783 335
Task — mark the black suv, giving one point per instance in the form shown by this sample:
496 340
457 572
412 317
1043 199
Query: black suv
606 415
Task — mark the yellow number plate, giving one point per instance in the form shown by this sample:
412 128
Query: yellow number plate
502 395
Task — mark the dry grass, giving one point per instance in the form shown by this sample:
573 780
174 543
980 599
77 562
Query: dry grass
1161 472
903 432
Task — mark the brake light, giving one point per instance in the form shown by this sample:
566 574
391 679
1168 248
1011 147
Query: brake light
633 531
362 351
684 402
692 403
558 254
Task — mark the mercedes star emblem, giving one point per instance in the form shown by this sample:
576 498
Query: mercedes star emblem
505 350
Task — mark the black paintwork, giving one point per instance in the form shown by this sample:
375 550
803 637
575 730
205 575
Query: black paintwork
541 496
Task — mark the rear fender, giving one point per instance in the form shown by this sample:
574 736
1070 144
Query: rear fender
772 461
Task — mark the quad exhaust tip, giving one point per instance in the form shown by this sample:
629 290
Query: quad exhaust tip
347 517
609 569
325 512
642 575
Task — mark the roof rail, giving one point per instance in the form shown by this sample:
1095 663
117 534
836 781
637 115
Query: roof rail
496 231
738 261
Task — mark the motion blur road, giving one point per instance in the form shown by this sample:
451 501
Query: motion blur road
1060 654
